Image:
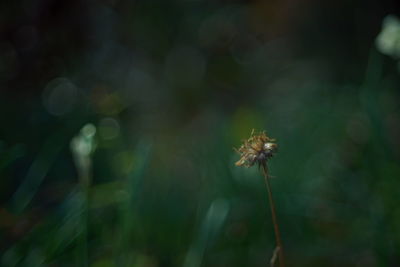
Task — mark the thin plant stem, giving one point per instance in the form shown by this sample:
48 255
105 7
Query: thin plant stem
85 177
274 219
84 250
82 146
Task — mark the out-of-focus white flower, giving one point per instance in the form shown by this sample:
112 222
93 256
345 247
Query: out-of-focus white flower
82 146
388 40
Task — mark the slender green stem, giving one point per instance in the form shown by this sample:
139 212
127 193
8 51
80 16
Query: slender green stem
85 177
274 219
84 250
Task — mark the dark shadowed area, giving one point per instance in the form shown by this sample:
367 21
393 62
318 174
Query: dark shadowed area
118 121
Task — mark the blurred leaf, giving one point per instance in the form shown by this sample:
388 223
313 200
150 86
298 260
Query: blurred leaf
210 228
37 172
132 189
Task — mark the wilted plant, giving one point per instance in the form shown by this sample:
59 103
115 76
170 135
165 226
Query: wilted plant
258 149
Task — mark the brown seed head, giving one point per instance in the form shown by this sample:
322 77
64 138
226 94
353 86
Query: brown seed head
257 149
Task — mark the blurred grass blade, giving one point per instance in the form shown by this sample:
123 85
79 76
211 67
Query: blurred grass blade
135 179
210 228
369 93
38 171
70 227
129 206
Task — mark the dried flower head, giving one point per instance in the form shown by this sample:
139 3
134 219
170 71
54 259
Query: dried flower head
257 149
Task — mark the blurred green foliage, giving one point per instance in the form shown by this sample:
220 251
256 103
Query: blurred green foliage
170 88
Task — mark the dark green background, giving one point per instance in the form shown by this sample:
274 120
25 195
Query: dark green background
172 87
